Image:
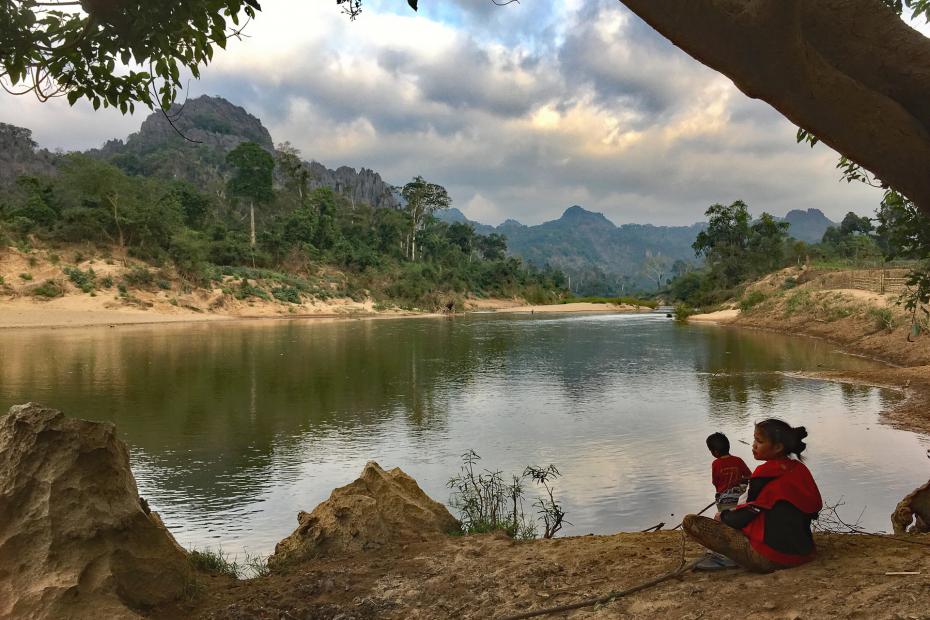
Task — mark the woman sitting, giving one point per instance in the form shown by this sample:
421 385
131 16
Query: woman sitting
772 530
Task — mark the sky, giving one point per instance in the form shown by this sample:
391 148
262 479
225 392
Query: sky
519 111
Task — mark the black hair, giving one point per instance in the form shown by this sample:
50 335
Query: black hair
718 444
779 431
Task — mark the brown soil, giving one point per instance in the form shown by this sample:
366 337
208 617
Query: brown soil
493 577
850 318
169 300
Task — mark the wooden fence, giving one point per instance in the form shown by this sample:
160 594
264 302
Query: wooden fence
891 281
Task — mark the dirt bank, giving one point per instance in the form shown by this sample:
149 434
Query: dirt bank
492 577
859 322
71 287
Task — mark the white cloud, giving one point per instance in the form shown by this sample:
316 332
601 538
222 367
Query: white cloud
519 111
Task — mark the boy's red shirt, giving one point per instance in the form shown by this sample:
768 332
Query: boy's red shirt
728 472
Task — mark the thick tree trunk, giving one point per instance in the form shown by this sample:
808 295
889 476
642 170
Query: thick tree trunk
850 71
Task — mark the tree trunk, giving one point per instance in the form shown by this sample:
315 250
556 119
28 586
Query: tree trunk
850 71
119 229
252 221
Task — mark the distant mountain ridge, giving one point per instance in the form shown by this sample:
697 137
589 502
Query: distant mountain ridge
583 242
589 246
808 226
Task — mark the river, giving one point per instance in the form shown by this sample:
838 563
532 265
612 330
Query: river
235 427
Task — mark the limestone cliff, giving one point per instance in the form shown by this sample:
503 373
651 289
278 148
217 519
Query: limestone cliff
19 155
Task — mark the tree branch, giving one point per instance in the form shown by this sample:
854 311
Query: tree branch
850 71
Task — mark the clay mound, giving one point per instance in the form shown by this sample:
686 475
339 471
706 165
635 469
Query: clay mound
913 508
380 508
76 540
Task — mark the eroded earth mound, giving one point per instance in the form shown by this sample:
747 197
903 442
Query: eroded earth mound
379 509
76 540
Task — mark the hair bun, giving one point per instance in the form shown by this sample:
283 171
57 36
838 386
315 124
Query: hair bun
801 432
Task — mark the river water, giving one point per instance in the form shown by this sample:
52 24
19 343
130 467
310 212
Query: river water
233 428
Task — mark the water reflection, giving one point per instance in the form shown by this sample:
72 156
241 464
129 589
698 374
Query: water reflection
235 427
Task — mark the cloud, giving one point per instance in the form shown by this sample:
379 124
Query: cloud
520 111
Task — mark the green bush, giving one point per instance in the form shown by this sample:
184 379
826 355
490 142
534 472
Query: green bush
682 312
287 294
139 277
246 290
49 289
751 300
106 281
25 277
84 280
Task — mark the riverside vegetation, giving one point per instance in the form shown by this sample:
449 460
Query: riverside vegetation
235 212
738 251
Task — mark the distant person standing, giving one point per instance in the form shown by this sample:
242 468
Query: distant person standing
729 474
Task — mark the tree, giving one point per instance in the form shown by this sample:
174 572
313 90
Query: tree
422 200
724 242
655 268
252 178
73 48
295 172
852 224
767 238
493 246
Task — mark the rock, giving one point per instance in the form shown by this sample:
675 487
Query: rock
915 507
76 540
380 508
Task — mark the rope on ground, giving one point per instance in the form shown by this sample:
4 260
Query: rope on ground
611 596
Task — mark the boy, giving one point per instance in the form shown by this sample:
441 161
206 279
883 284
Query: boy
729 473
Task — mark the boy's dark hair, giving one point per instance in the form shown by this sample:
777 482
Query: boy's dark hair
718 444
779 431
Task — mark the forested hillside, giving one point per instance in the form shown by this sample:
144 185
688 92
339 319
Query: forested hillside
209 195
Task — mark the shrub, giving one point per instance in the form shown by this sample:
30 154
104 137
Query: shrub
789 283
25 277
106 281
486 503
883 318
286 294
246 290
751 300
84 280
49 289
139 277
682 312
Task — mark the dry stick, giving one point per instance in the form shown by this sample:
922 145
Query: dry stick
607 598
706 508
